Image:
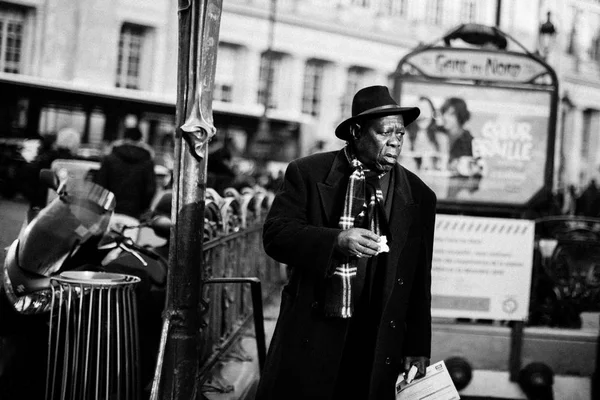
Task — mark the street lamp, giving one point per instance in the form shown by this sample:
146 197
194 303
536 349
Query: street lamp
547 35
478 35
263 125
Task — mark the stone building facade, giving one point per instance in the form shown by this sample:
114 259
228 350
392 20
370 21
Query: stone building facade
322 51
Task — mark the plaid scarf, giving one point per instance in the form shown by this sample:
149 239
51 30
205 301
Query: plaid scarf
357 213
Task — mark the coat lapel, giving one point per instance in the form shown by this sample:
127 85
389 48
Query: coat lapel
333 190
401 216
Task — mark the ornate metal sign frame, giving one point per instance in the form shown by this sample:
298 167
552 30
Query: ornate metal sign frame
483 63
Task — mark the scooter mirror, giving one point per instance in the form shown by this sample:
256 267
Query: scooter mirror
49 178
161 226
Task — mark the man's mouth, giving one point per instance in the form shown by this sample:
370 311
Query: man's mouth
390 157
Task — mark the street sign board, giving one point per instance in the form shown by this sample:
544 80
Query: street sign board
482 267
449 63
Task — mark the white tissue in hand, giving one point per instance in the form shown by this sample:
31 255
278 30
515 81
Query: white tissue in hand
383 246
410 376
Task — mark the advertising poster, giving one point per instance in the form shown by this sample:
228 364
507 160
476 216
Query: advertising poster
482 267
475 144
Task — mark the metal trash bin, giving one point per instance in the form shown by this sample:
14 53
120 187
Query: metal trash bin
93 347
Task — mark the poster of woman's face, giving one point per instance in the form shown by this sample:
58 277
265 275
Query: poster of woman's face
476 144
428 113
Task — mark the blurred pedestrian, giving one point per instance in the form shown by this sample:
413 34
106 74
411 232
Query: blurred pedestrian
588 203
277 182
355 314
241 179
63 147
219 174
128 172
569 199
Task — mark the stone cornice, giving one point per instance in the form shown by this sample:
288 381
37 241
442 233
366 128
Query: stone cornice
333 24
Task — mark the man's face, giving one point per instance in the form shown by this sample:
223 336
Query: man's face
378 142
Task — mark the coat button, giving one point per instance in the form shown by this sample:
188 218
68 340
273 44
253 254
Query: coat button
315 304
400 282
393 324
388 361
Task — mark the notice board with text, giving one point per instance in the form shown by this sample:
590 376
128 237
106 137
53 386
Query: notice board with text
482 267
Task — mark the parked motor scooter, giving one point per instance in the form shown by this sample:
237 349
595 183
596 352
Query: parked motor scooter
70 233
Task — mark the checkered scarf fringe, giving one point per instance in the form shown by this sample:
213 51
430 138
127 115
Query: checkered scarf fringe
342 276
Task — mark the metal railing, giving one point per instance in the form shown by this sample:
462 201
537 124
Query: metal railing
235 267
566 278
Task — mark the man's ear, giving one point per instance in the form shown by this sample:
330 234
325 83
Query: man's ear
355 131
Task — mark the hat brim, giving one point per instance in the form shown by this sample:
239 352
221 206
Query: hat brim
409 114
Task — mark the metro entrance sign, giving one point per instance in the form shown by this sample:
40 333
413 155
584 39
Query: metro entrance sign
476 65
497 156
484 143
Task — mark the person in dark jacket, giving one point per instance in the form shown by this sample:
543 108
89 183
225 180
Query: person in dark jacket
128 172
588 204
219 174
63 147
354 314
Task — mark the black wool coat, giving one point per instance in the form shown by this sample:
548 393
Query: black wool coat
300 230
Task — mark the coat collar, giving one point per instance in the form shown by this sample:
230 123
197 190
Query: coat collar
340 168
333 189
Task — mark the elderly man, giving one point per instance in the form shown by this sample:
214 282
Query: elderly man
355 313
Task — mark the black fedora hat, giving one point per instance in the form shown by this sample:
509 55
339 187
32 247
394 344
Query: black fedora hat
374 102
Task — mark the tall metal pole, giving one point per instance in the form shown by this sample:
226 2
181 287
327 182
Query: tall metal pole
177 367
263 127
498 12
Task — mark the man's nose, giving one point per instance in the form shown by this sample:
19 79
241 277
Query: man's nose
395 140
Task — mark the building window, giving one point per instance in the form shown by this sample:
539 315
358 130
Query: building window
131 50
435 11
362 3
572 44
225 73
313 86
54 117
395 8
468 11
595 47
354 82
273 76
12 26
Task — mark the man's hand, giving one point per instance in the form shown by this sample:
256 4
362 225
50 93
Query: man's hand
420 362
357 242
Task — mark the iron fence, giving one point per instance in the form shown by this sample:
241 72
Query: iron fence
232 249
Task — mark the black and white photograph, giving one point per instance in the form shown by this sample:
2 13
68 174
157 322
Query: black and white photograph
299 199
